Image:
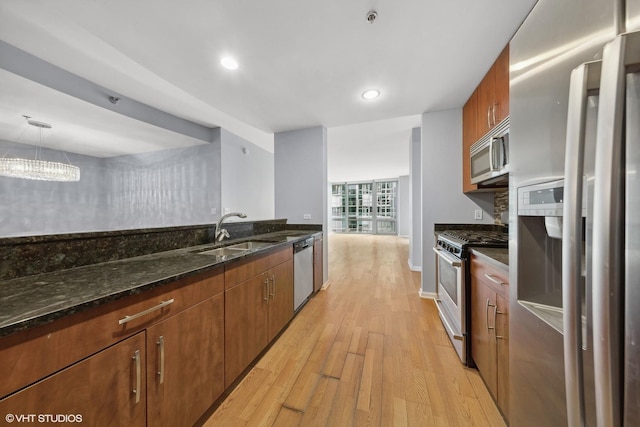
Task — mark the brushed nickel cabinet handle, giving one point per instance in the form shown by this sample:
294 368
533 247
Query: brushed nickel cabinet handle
265 282
136 390
493 112
163 304
273 285
489 117
495 314
161 352
487 315
494 280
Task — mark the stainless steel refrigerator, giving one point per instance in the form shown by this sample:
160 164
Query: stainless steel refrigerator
575 215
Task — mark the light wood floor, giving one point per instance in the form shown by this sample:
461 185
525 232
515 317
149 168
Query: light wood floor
366 351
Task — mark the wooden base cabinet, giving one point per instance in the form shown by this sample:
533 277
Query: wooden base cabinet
280 304
256 308
185 364
317 264
106 389
161 360
490 328
245 325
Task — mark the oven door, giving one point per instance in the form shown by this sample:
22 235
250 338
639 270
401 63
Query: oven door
450 299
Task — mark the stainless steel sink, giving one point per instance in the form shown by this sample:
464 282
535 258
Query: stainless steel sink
247 246
222 251
236 249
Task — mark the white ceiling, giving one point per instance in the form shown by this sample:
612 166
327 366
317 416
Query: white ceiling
302 63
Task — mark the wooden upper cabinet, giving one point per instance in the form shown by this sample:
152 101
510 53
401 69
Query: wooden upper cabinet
487 107
486 102
469 136
493 95
502 86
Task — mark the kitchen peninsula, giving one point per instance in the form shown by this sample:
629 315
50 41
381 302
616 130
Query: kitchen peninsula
149 331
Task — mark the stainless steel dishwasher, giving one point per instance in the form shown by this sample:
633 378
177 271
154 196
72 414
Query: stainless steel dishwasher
302 271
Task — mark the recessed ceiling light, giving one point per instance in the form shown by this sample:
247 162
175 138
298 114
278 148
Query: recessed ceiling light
371 94
229 63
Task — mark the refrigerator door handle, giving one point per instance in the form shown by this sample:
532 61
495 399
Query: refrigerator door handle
571 245
607 237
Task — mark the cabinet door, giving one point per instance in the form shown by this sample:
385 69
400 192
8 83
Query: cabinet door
245 325
317 265
107 389
502 85
483 347
280 297
502 350
486 101
185 364
469 137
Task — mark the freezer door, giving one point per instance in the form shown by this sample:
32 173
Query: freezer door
632 239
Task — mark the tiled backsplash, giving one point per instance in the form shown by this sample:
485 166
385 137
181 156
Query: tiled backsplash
500 205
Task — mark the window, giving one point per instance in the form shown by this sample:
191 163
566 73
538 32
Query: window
338 208
364 207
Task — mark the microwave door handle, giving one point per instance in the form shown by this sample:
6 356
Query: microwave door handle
505 159
491 155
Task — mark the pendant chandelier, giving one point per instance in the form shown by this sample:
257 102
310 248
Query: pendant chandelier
37 168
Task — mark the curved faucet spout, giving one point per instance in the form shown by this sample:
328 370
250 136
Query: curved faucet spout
221 233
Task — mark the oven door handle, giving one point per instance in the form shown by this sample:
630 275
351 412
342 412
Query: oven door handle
452 260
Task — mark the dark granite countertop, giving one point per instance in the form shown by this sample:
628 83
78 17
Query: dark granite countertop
39 299
497 256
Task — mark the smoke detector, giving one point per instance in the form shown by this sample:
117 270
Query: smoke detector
372 15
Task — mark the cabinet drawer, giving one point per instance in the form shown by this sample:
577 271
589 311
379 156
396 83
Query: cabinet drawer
97 391
243 270
32 354
494 277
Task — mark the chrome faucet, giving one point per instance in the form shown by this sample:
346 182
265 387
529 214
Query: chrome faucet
221 233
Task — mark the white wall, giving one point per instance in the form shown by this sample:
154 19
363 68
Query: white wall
442 198
404 206
415 174
247 178
301 185
300 174
371 150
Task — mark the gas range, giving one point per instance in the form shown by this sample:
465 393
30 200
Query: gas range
457 241
453 280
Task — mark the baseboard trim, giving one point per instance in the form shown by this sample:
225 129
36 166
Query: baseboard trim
325 285
427 295
413 267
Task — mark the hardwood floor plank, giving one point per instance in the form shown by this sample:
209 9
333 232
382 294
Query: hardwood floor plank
365 351
317 413
287 418
343 411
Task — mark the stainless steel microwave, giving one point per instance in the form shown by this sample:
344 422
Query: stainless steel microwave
490 156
